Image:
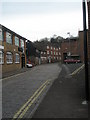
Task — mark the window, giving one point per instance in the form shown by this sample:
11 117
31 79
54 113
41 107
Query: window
47 47
44 53
9 59
47 52
1 38
22 44
16 41
59 48
8 38
17 58
54 48
51 52
54 53
59 53
51 48
1 57
41 52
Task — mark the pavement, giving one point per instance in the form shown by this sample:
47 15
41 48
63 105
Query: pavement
64 98
18 71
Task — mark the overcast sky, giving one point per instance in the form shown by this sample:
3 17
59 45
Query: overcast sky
39 19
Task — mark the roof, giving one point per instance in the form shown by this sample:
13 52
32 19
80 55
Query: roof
12 32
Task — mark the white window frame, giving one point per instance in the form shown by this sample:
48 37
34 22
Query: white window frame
8 38
48 52
47 47
1 35
22 44
16 41
54 52
41 52
51 52
44 53
10 58
1 57
59 53
17 60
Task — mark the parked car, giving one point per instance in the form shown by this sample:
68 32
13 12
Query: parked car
72 61
29 64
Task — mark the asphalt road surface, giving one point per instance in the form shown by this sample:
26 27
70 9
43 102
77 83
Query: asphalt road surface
27 88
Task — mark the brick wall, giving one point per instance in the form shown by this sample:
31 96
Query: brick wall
73 48
13 49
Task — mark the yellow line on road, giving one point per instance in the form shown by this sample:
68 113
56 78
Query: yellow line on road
29 100
12 76
25 110
77 70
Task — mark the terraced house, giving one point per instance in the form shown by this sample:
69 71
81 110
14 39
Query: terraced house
12 50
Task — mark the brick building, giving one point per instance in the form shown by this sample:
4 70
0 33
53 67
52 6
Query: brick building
12 50
53 53
70 46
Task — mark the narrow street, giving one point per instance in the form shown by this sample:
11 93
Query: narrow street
46 91
18 89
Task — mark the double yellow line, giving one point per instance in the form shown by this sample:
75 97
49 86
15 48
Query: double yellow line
77 70
21 112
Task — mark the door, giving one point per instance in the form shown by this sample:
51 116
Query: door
23 61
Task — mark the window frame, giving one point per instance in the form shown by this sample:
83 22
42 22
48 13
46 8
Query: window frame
16 39
9 62
8 38
16 59
47 52
47 47
1 57
1 35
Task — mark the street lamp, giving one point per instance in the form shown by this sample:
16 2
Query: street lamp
69 53
85 51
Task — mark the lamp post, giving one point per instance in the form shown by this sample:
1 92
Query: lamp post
69 43
85 52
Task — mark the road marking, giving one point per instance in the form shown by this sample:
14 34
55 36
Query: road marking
25 110
77 70
22 110
12 76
